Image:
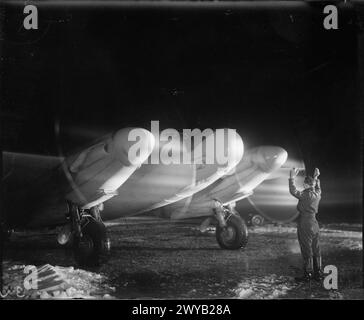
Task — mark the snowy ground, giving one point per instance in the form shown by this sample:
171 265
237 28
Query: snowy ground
54 282
154 258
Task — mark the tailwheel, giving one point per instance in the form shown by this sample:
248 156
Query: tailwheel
257 220
92 246
234 235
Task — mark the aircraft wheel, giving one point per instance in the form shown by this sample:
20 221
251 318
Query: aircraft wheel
257 220
93 246
234 235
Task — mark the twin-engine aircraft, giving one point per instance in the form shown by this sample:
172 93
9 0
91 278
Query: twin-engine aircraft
107 181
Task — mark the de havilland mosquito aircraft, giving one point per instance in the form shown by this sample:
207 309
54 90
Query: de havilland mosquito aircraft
77 193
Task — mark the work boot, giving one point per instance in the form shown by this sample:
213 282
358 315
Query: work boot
308 271
318 274
306 277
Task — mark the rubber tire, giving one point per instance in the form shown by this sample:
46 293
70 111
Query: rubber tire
240 239
95 232
257 220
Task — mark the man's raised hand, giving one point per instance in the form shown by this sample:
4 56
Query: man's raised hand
293 173
316 173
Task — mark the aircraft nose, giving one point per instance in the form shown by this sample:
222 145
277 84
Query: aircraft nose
271 158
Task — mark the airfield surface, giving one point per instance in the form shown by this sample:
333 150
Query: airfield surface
153 258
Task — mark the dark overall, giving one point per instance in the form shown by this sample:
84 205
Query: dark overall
308 230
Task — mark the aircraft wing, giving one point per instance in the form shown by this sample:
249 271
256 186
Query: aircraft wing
38 188
157 185
255 167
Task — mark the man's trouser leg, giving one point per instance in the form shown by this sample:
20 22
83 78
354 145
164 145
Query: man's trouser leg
304 233
317 261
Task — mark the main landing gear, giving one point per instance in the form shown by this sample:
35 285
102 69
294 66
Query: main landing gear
231 230
91 245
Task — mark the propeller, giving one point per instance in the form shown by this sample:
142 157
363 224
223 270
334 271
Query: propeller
272 199
283 172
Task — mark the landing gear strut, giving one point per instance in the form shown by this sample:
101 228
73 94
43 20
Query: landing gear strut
90 242
231 231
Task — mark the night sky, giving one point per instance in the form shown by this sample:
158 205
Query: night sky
276 76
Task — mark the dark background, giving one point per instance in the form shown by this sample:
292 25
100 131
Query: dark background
277 76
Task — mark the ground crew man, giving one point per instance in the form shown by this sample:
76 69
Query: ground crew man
307 226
